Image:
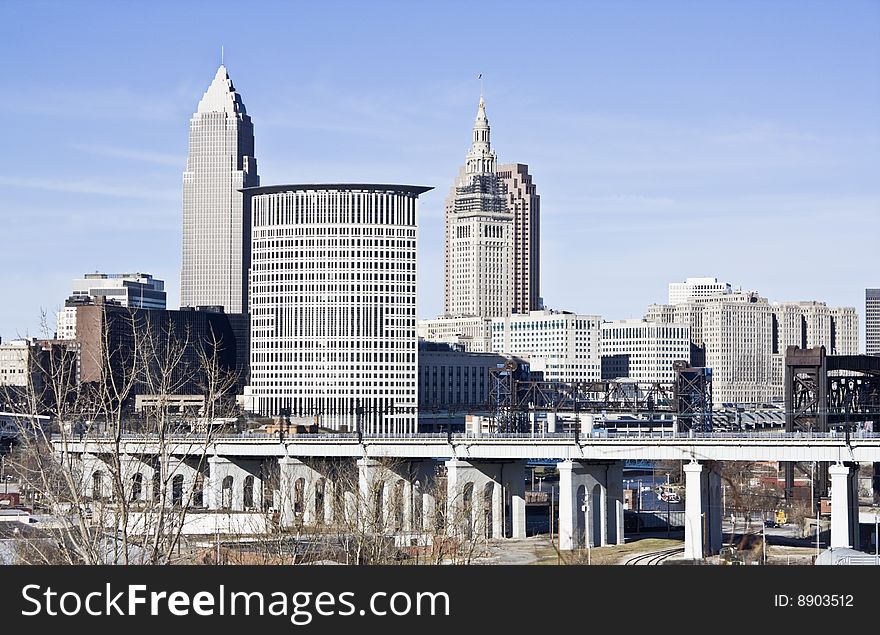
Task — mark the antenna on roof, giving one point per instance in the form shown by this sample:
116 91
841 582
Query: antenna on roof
221 55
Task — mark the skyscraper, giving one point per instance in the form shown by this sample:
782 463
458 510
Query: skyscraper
216 226
333 328
872 321
524 202
491 243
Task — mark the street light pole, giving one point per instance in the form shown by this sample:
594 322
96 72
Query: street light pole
764 542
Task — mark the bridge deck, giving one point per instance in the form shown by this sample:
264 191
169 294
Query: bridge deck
863 447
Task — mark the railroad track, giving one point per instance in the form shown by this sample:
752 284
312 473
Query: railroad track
654 557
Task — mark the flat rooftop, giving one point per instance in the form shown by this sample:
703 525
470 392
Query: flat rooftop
369 187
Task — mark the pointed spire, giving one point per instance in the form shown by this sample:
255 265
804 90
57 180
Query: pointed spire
481 126
481 159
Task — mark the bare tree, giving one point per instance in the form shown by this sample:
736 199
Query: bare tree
113 481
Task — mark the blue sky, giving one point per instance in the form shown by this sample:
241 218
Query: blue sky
667 139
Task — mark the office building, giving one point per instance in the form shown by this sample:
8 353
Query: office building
680 292
811 324
216 225
492 232
451 379
135 290
872 321
34 373
154 352
473 334
15 363
564 346
743 338
333 305
525 203
643 351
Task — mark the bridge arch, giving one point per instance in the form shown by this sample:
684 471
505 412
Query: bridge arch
226 489
248 493
177 490
137 487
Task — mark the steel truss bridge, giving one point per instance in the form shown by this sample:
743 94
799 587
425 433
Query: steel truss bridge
514 396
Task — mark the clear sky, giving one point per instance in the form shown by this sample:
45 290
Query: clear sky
667 139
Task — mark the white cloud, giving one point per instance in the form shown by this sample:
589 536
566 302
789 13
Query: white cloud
158 158
92 187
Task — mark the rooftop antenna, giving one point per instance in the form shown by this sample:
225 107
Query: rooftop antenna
480 77
221 55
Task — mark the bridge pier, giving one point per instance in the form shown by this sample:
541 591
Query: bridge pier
396 496
702 511
97 480
485 499
844 506
590 504
234 484
302 492
184 482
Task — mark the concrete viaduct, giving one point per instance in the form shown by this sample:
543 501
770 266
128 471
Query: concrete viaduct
392 477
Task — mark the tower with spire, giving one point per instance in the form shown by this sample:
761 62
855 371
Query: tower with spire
216 225
490 264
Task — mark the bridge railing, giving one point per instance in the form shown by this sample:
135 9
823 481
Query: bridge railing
506 437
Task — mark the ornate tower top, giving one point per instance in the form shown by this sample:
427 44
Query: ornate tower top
481 159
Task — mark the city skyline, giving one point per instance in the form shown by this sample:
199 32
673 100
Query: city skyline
754 148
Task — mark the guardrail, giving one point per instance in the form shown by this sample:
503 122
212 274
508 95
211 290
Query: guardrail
596 437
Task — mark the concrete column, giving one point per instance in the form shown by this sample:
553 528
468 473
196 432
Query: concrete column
712 507
329 499
407 505
217 470
290 470
693 511
614 504
285 491
854 506
568 506
551 422
516 472
456 479
368 482
587 511
424 472
841 504
498 511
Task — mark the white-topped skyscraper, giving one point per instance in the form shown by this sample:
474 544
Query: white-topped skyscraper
216 226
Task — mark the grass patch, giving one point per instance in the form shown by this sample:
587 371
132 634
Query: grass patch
612 554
